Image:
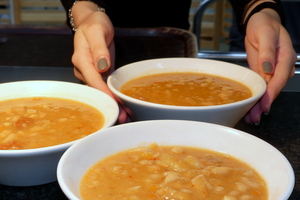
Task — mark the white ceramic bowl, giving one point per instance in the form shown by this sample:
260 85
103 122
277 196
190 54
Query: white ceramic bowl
228 114
38 166
267 160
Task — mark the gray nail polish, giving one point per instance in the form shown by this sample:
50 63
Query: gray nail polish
102 64
267 67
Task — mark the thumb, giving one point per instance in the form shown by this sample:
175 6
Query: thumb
99 44
101 55
267 46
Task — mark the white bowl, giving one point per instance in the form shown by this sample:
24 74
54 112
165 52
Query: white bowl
227 114
267 160
38 166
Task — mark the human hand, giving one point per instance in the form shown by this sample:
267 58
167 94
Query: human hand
93 56
270 53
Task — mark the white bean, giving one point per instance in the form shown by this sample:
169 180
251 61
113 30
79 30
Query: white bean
241 187
221 170
170 176
246 197
228 197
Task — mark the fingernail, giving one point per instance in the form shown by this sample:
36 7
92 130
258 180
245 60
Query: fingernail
268 111
258 122
102 64
267 67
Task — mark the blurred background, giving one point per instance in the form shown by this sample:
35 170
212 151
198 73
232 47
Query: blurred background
212 23
215 28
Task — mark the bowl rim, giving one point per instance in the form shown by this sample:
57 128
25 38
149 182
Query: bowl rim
58 147
165 106
40 150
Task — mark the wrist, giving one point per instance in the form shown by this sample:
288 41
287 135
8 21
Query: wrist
80 10
250 6
268 7
272 13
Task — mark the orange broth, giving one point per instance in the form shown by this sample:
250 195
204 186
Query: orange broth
172 172
35 122
186 89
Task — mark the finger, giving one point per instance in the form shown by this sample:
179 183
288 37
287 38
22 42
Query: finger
78 75
252 55
267 55
254 115
253 60
85 70
123 116
276 84
95 80
274 87
100 53
99 38
83 62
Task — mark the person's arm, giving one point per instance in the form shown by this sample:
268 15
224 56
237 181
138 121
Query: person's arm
93 56
269 49
91 15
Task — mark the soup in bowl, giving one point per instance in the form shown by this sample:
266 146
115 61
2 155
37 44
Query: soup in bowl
187 88
39 120
174 159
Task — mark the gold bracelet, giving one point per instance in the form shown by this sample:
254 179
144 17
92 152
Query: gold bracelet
71 15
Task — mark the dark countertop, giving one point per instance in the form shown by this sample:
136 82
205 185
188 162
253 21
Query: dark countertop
281 128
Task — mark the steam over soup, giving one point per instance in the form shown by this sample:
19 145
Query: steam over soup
28 123
186 89
174 173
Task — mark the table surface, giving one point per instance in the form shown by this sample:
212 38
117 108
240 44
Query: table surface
281 128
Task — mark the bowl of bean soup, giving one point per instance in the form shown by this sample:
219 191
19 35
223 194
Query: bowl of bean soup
174 159
39 120
188 89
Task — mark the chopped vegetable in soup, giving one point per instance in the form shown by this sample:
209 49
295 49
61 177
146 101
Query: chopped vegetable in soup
35 122
172 173
186 89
